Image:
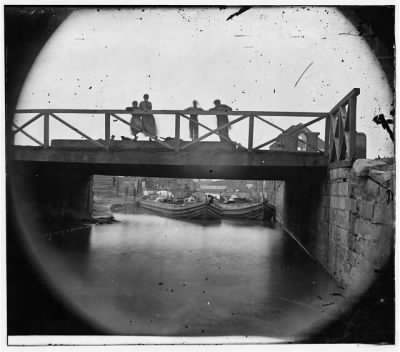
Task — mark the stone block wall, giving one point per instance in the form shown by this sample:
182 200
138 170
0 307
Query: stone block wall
346 221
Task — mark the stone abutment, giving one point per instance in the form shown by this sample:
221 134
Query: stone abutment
346 221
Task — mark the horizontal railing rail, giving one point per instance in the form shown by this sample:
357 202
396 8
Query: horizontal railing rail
173 112
340 125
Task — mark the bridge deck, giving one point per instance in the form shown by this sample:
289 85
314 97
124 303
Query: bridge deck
206 160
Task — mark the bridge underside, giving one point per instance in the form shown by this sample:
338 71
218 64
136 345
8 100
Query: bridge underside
208 161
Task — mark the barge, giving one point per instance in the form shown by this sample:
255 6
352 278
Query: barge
183 211
203 210
257 211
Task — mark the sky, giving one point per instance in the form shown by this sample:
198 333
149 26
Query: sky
104 59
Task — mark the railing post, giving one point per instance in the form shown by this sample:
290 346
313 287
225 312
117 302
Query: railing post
327 134
251 133
177 131
46 125
107 129
352 110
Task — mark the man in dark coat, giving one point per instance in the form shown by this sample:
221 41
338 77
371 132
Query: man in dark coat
193 126
222 119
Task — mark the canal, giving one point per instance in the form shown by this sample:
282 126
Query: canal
150 275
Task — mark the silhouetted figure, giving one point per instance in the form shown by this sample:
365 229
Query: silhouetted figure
148 122
193 123
381 120
222 119
126 193
136 120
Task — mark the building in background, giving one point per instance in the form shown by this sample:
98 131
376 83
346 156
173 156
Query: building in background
296 138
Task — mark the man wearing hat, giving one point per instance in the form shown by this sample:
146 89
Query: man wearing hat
193 125
222 119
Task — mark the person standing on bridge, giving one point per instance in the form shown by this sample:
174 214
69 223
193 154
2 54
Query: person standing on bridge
222 119
148 122
136 120
193 123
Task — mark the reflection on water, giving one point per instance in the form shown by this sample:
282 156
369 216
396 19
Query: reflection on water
149 275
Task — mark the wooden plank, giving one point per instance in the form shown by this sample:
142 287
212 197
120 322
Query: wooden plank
29 136
137 145
107 129
26 124
46 131
173 112
230 159
214 131
251 134
340 164
78 131
177 131
353 92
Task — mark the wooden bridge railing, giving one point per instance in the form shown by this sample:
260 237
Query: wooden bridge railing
340 129
339 132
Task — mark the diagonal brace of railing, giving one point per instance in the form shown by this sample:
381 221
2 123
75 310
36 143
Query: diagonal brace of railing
215 131
78 131
209 129
295 130
282 130
269 123
28 135
20 128
120 119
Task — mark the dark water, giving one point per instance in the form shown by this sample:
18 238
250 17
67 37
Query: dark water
149 275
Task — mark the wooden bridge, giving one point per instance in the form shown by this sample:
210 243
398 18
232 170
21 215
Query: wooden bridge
198 158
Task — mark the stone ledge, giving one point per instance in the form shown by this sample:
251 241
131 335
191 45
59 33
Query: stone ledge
339 173
341 164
